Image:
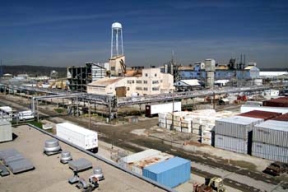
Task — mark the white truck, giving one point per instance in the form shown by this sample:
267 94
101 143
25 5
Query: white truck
154 109
78 136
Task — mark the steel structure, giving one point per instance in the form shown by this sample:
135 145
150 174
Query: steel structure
113 103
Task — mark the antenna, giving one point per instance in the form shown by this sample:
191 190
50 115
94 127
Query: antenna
172 53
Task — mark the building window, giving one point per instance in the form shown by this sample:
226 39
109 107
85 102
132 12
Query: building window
112 68
138 88
155 82
146 74
161 81
145 89
155 74
139 81
155 88
128 88
145 82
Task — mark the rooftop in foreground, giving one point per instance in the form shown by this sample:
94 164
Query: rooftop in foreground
51 175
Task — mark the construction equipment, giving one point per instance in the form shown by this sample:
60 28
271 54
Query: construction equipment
213 184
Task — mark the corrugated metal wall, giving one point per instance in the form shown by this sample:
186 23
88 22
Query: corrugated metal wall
270 152
236 126
170 173
273 135
231 144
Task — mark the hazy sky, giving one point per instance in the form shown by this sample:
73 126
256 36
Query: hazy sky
70 32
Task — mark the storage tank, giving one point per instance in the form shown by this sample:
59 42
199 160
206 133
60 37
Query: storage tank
210 79
210 65
5 130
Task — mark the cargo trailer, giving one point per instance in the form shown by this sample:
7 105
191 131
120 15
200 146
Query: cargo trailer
78 136
26 115
154 109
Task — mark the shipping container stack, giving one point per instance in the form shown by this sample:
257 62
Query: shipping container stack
234 133
270 139
279 102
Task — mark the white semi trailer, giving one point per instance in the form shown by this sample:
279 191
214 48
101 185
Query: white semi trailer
154 109
78 136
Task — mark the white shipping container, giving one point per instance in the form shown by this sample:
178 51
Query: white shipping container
231 144
236 126
77 135
5 131
154 109
26 115
271 132
270 152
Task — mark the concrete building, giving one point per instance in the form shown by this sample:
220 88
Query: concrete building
151 81
115 65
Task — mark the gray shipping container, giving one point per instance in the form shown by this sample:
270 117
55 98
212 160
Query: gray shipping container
236 126
231 144
5 130
270 152
271 132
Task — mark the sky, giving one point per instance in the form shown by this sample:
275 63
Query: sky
71 33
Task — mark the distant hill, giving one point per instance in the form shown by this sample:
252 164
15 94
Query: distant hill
34 70
274 69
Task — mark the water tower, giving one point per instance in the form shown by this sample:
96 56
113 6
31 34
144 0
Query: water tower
117 40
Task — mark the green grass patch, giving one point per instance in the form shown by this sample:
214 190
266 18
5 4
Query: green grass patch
37 124
59 110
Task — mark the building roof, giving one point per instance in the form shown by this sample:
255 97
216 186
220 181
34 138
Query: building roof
50 169
166 165
105 81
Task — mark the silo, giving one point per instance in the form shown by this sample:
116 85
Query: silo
210 69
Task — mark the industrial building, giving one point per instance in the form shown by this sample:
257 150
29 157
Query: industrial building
147 82
79 76
49 168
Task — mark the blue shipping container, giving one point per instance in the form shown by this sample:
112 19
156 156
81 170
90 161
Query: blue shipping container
170 173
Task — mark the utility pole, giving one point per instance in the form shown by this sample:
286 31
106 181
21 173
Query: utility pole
89 111
172 127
